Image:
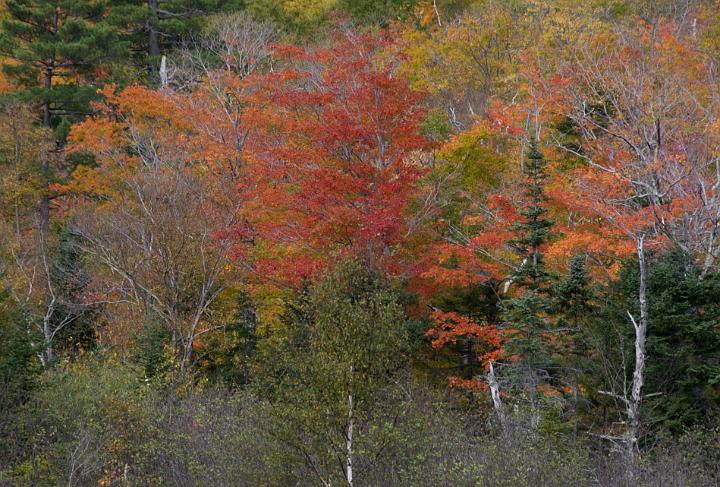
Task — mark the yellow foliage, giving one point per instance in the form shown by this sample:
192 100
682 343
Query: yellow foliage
300 13
22 147
270 304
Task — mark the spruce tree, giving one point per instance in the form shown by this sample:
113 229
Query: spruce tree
527 313
573 294
683 370
574 310
70 279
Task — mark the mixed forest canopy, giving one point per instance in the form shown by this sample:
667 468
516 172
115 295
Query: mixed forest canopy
360 242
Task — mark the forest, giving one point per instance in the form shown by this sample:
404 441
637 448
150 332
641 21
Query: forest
360 243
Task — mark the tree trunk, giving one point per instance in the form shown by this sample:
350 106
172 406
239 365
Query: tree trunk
45 199
47 355
635 400
495 394
186 357
533 397
152 27
163 73
349 445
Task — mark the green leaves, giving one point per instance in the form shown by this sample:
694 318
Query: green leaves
347 337
56 52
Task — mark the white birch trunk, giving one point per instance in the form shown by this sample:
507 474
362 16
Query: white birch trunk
163 73
351 421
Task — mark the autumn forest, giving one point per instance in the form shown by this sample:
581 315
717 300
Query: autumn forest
360 243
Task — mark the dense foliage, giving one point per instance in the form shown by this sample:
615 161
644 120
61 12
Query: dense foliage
325 242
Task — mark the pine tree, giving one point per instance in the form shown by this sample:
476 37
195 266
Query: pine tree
153 27
54 51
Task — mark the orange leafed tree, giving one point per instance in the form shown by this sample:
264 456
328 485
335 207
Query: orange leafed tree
483 339
154 209
474 251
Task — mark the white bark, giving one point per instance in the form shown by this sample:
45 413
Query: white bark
635 399
495 393
351 423
437 13
163 72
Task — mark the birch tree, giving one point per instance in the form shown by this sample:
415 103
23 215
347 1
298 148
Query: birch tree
339 365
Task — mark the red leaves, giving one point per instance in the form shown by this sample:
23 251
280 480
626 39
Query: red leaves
467 384
332 156
318 153
503 207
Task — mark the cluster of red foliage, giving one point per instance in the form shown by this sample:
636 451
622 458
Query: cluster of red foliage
332 158
450 327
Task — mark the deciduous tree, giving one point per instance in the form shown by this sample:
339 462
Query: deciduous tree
336 162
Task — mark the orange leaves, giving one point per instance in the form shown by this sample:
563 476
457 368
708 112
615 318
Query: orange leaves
503 207
600 241
467 384
630 109
505 119
315 157
459 266
95 134
480 257
140 102
451 327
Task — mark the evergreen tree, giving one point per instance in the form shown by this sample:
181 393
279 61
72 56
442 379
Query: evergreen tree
70 280
55 51
684 346
231 355
527 311
153 27
573 295
151 349
574 308
18 364
683 371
